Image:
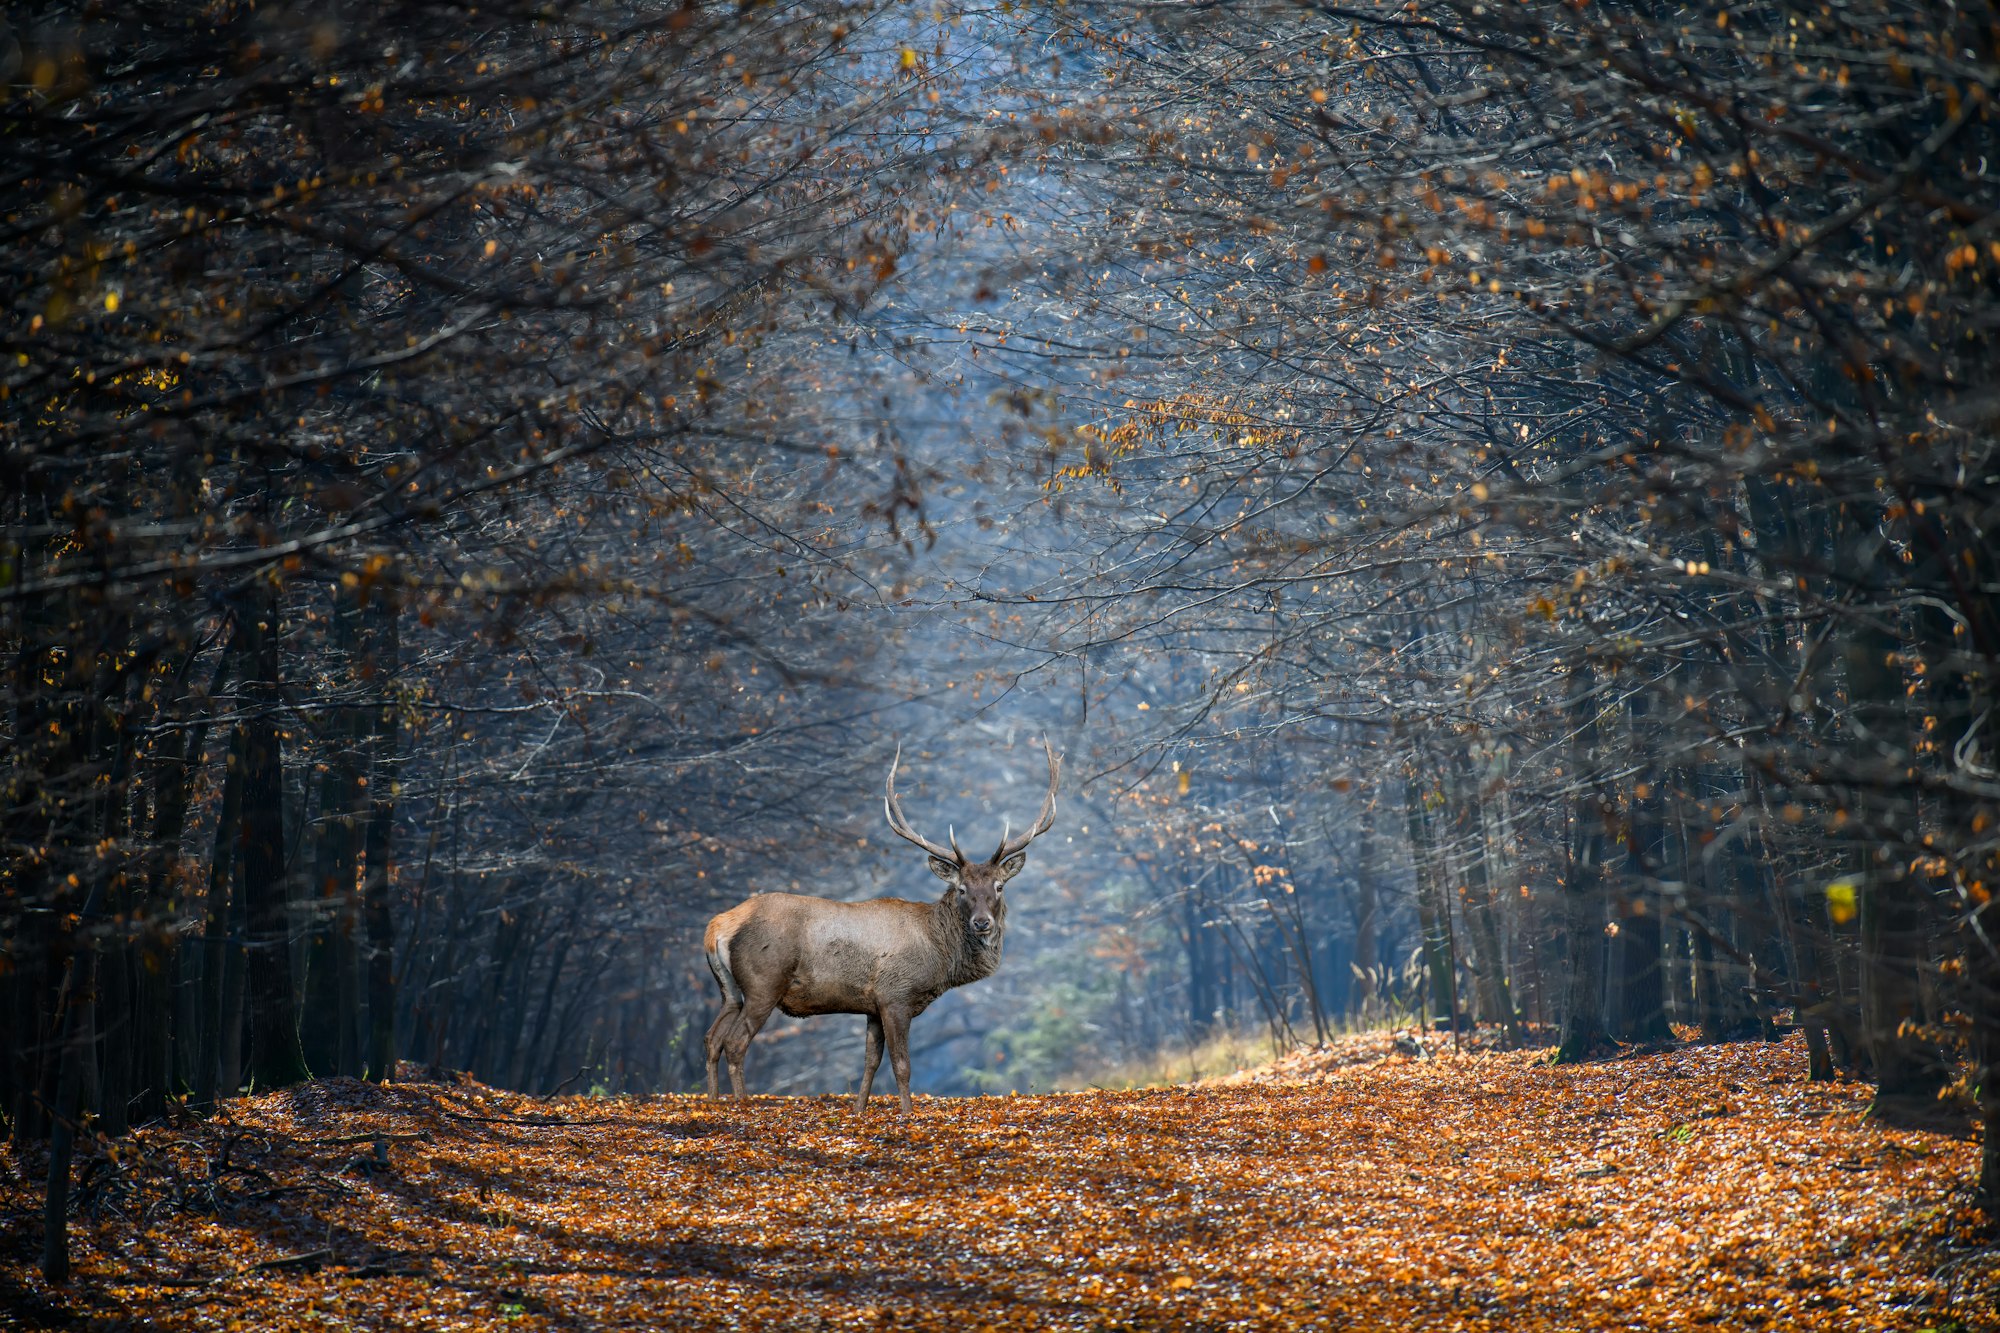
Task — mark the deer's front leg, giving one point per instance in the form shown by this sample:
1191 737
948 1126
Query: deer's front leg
871 1062
896 1027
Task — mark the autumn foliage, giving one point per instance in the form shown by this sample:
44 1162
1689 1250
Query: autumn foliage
1359 1185
1498 500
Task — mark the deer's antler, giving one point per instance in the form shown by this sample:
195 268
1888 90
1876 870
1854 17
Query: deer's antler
901 827
1009 844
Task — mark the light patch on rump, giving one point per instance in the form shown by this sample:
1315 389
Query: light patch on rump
718 963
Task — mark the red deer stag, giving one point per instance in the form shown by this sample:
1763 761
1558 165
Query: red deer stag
887 958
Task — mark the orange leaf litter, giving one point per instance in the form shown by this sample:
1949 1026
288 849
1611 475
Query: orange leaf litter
1349 1188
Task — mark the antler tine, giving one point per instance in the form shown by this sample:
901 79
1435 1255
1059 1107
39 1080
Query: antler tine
1045 820
901 827
1006 831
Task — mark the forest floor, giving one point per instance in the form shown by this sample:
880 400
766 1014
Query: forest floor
1356 1187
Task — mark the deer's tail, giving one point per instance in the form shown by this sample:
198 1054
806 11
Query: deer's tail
718 963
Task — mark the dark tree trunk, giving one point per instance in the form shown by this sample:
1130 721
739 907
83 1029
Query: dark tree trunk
324 1015
109 698
1583 1031
1641 987
1904 1064
486 1055
114 1020
1710 1001
380 666
1640 944
177 760
1894 934
74 1061
40 808
1962 684
529 1058
230 1012
275 1058
1367 907
1894 923
30 955
25 944
1983 979
328 1019
219 945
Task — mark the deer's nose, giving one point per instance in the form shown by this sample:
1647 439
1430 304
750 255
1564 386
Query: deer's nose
982 924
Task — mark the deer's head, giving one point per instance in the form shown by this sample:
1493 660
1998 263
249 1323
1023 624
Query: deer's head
975 885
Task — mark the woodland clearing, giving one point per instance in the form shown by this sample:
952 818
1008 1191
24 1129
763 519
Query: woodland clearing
1357 1186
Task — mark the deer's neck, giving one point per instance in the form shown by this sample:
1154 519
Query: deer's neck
968 957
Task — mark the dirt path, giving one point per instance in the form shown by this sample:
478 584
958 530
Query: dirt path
1708 1186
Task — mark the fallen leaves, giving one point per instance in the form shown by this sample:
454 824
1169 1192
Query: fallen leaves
1358 1184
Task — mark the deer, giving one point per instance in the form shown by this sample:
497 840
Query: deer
887 958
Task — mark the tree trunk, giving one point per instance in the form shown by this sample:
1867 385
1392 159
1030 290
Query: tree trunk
1366 908
31 954
27 946
218 944
529 1058
235 969
1442 1009
112 699
1893 914
1496 995
177 760
73 1059
1583 1031
1907 1066
1710 1014
1640 943
114 1017
380 666
328 1019
1201 1002
275 1058
1983 980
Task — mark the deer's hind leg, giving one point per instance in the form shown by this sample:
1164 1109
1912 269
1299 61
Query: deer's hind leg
733 1003
896 1027
718 1033
749 1022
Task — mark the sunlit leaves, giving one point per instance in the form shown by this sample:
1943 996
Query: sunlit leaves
1383 1180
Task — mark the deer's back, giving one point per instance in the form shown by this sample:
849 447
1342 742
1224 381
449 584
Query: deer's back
817 956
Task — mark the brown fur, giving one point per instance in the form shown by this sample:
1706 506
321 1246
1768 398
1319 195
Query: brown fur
888 959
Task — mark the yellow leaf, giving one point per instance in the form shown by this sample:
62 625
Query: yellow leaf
1840 901
1181 1283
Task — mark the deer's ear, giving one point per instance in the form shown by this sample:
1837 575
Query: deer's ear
1012 866
944 870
